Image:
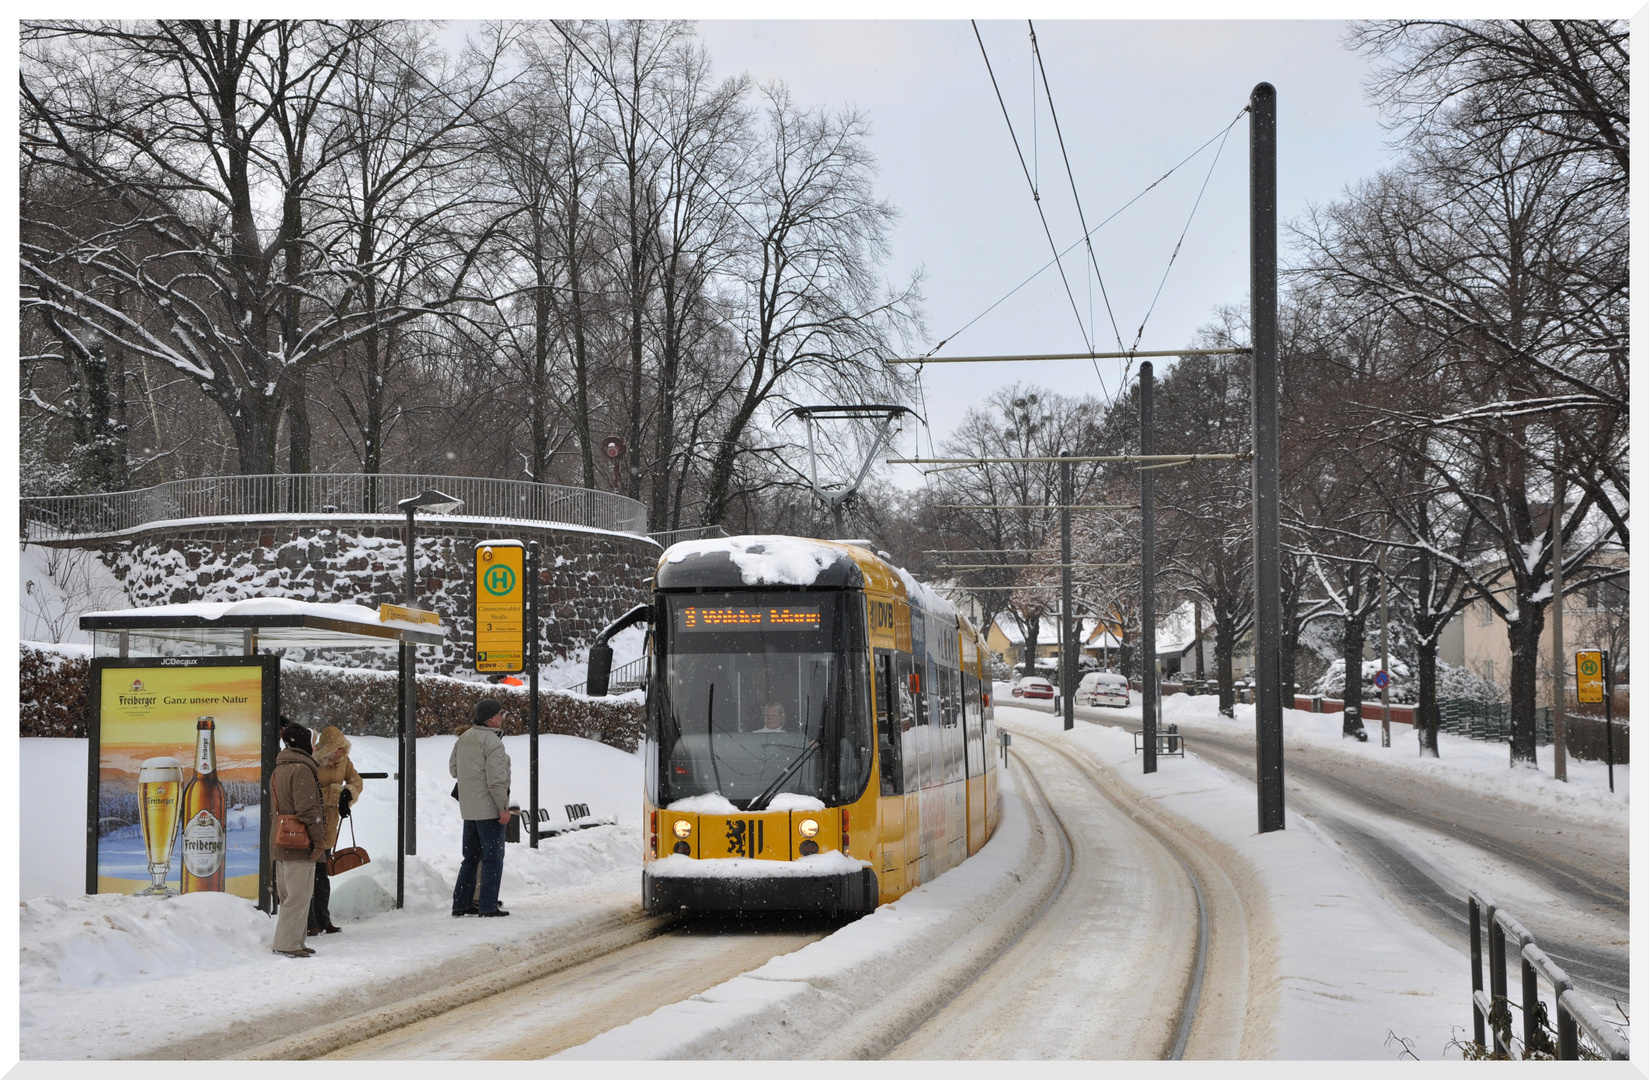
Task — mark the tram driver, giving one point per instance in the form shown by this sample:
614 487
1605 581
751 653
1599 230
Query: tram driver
772 716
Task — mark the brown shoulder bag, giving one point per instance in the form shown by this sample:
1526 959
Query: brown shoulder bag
290 833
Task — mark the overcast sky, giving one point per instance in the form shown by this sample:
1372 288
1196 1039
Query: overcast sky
1133 98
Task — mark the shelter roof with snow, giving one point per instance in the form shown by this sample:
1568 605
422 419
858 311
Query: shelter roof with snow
276 622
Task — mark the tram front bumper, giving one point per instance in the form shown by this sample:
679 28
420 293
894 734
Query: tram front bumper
825 894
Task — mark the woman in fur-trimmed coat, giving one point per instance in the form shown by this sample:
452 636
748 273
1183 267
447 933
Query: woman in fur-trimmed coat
340 787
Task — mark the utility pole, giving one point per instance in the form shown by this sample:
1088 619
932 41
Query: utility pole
1067 658
1262 291
1560 660
532 686
1148 569
1385 649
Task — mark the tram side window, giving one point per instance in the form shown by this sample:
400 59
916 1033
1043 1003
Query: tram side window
975 725
909 715
887 725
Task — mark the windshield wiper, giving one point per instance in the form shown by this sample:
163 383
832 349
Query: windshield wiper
759 803
710 732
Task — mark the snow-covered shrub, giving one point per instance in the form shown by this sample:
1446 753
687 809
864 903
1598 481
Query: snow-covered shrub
1404 686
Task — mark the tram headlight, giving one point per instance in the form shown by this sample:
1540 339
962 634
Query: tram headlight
808 828
682 828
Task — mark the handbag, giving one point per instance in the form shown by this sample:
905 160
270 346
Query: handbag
348 858
290 833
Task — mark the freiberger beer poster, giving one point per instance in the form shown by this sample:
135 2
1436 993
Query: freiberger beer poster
179 775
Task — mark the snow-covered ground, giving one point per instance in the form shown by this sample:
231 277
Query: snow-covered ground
167 969
1465 764
119 976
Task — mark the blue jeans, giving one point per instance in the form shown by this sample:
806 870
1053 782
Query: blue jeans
483 848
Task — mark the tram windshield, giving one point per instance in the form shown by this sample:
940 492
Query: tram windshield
764 693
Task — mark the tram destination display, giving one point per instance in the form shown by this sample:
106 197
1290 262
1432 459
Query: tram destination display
720 618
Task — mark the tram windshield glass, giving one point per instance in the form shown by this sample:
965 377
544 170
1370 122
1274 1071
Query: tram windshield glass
763 693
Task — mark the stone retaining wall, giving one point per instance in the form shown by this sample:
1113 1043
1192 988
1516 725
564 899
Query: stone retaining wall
587 577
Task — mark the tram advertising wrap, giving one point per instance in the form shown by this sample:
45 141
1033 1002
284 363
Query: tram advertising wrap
815 736
176 775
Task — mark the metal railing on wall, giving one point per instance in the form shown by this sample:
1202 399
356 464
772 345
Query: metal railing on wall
1492 1005
312 494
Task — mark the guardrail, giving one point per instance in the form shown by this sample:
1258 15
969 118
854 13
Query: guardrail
310 494
1491 1009
622 679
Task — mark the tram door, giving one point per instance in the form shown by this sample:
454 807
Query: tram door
913 731
890 866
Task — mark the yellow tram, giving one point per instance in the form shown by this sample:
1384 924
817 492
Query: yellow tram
819 733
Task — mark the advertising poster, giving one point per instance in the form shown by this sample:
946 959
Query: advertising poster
177 772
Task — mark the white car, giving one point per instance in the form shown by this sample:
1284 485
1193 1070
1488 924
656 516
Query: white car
1103 688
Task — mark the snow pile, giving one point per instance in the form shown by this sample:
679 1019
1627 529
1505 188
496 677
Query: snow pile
713 803
765 560
824 864
789 800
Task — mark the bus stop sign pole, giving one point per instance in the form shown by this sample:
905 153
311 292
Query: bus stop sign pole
532 688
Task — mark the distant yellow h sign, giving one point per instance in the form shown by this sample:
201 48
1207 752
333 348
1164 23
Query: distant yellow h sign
1589 676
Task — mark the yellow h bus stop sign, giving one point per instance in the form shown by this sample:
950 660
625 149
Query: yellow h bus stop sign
1589 676
500 607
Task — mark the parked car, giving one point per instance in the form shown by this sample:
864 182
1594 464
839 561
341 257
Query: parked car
1033 687
1103 688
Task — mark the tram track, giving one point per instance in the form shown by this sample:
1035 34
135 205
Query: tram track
1583 865
1160 965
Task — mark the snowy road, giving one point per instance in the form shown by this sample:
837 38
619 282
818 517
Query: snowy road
1426 843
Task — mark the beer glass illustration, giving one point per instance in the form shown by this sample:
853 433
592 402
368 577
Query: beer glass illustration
159 788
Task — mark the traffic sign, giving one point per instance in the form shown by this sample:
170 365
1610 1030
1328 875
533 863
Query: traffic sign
500 606
1589 676
1381 679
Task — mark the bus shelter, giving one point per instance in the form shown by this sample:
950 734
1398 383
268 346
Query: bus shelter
185 706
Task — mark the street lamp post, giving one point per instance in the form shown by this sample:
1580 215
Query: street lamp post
436 503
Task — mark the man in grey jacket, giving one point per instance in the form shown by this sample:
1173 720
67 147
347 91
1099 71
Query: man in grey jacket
483 772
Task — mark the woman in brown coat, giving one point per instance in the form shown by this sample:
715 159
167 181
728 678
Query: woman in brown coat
293 790
338 779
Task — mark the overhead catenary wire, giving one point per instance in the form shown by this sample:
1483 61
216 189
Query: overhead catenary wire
1053 114
1181 241
1039 271
1036 196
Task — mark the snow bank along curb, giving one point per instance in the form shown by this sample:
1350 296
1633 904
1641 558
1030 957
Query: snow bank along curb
859 990
373 1003
594 938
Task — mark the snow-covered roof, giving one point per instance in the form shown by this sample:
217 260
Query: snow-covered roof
764 560
278 620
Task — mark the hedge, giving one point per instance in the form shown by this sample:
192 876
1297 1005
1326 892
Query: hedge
55 702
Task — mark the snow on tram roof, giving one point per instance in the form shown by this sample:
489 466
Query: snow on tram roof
795 560
765 560
923 597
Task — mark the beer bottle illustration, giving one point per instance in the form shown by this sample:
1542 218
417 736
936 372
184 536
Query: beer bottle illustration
204 843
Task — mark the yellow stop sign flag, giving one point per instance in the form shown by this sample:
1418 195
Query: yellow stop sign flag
1589 676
